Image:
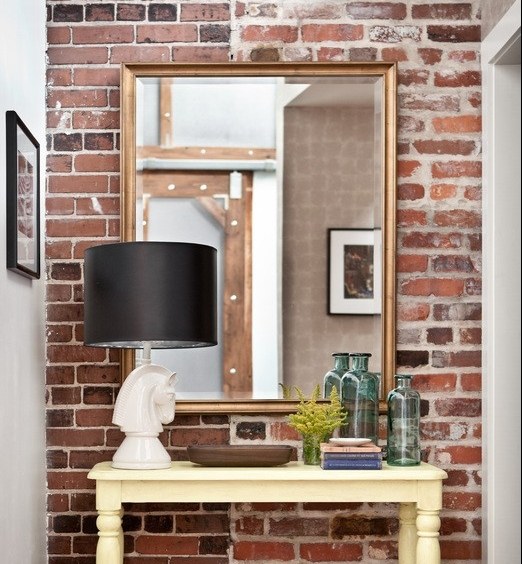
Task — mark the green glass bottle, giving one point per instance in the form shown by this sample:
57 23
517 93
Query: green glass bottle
360 399
403 423
332 378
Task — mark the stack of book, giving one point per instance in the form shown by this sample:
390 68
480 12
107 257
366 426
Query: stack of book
364 457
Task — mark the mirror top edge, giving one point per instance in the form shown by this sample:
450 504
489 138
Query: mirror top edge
369 68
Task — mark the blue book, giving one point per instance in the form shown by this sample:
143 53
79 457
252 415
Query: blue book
336 464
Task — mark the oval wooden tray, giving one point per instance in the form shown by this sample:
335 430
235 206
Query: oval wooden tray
239 455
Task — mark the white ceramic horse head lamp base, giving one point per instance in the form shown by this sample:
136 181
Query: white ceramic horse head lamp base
148 295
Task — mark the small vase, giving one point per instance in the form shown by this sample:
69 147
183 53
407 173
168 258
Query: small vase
332 378
312 448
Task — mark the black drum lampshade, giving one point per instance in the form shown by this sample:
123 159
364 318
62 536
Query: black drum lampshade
157 293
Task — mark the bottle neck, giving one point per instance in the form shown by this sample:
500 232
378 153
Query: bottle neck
360 363
402 381
342 362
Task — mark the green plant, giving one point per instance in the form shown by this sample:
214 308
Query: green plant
317 418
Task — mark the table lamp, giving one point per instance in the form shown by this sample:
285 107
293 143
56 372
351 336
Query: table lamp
147 294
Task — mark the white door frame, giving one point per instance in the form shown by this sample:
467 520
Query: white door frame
501 297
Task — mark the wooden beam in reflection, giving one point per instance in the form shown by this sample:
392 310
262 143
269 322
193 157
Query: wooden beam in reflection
166 126
238 153
184 184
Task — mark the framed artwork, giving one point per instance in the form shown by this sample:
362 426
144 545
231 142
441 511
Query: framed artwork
354 271
23 198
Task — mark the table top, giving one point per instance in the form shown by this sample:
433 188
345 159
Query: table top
188 471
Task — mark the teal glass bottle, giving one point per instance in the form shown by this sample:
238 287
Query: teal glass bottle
332 378
360 399
403 440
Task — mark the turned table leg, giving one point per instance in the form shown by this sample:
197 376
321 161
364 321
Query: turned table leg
428 525
110 538
407 533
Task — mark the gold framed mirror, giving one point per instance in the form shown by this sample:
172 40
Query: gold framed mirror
270 159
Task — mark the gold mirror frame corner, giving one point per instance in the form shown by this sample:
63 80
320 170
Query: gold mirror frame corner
130 72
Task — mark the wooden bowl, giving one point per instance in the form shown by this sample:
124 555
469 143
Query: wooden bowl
239 455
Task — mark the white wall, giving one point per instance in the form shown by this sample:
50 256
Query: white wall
502 291
22 333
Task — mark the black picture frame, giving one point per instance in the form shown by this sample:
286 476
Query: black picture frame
22 198
354 271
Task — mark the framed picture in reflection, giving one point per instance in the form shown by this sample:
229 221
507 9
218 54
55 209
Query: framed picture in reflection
23 198
354 271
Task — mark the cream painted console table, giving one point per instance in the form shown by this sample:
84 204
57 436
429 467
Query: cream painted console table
417 489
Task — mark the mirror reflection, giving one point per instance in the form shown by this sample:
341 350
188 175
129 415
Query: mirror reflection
289 169
262 168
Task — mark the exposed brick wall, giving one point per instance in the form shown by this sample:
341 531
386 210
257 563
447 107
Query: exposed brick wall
439 244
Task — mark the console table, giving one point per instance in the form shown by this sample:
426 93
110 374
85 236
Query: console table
418 490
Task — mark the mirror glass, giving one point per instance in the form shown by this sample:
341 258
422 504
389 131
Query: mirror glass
285 174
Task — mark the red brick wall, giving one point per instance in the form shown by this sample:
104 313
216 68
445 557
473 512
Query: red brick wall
439 252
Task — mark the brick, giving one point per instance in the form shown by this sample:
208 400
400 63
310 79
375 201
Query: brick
435 382
471 382
460 358
430 56
99 119
464 501
200 54
207 523
130 12
454 33
59 163
451 11
57 35
251 430
66 523
432 287
312 11
163 12
105 34
77 98
75 437
96 77
205 12
458 124
376 10
56 459
283 432
406 169
450 526
457 169
93 417
410 124
77 55
362 54
410 218
214 544
90 374
74 353
431 102
461 550
386 34
412 263
413 77
410 191
58 292
59 333
315 33
452 263
140 54
267 55
97 163
166 33
457 218
457 312
214 33
342 526
263 551
171 545
69 480
98 395
455 79
159 523
205 436
335 552
394 54
443 191
413 312
446 147
439 335
432 240
68 13
412 359
59 206
58 503
99 13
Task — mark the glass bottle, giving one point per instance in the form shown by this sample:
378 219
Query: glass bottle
360 399
403 423
332 378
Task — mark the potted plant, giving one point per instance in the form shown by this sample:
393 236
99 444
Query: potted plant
316 421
